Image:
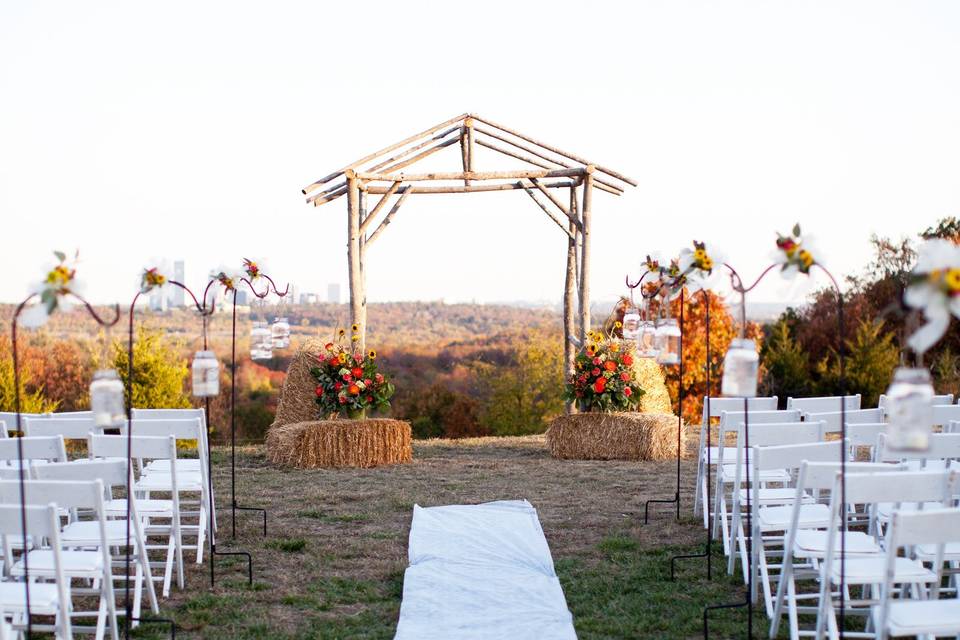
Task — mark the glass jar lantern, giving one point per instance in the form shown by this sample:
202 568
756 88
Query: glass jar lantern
667 342
910 410
646 340
740 369
206 375
280 331
631 325
106 399
261 342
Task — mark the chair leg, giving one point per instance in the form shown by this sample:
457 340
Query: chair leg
201 534
168 566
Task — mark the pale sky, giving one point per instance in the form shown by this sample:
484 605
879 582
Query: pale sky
186 130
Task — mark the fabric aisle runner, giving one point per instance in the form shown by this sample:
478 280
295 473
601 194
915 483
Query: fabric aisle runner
481 572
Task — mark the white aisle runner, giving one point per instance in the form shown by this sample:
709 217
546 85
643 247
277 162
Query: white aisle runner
481 572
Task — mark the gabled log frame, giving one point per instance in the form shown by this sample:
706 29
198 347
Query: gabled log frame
551 162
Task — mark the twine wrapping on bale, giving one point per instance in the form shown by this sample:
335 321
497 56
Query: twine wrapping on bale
340 443
298 399
615 436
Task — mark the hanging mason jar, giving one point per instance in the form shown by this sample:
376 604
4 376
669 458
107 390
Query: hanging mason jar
646 340
740 369
667 342
280 331
261 342
631 325
910 410
206 375
106 399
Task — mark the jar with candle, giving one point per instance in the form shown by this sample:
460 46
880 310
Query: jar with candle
206 375
910 410
106 399
740 369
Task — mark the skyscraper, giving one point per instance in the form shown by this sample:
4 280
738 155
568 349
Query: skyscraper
177 299
333 292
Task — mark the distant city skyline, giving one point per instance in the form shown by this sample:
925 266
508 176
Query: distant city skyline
133 131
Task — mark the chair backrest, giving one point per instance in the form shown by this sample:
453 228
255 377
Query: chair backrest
943 446
943 414
946 398
792 456
10 418
730 421
852 416
719 405
109 472
779 433
42 520
821 474
185 429
34 448
141 447
4 433
823 403
904 486
72 493
69 428
865 434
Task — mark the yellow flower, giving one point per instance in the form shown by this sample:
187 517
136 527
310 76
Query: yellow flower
618 324
355 338
60 276
372 355
707 264
614 347
952 279
342 358
806 258
355 328
342 332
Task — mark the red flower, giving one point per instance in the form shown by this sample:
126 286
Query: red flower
609 365
600 385
581 379
319 390
333 360
357 357
627 359
367 382
354 390
579 394
595 372
627 391
378 378
328 346
625 376
347 378
357 372
597 361
369 398
343 400
337 386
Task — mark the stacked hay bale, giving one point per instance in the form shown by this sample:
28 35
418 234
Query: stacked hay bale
299 439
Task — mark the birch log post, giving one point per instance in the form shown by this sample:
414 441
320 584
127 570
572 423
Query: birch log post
585 254
569 326
358 294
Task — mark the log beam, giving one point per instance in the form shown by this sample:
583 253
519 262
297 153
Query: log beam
569 291
417 158
555 201
389 217
475 188
560 223
358 294
472 175
377 207
417 147
585 254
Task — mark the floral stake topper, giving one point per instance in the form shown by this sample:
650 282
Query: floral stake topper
699 266
252 269
795 253
935 290
60 282
150 279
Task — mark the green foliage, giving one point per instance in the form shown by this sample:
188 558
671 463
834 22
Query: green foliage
159 374
787 365
31 400
521 395
946 372
438 412
871 358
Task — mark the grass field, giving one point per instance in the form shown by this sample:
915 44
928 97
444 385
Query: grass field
332 564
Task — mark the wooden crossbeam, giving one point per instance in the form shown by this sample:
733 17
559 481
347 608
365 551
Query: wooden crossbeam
376 209
393 211
606 186
563 227
327 197
472 175
554 200
475 188
565 154
387 149
406 152
417 158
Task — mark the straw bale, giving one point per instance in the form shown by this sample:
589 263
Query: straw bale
298 399
655 398
340 443
615 436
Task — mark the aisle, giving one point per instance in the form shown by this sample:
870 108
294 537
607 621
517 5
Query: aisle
481 572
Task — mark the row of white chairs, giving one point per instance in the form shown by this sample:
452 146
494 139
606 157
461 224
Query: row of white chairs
62 566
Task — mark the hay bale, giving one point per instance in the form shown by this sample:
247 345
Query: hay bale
298 399
615 436
340 443
656 398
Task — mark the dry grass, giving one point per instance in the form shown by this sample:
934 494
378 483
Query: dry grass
332 564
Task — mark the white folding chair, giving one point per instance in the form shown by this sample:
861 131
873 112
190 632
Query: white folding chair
36 449
196 482
823 404
864 435
946 398
763 435
871 570
831 419
46 598
184 464
805 544
84 533
944 414
929 617
150 510
714 408
730 422
77 561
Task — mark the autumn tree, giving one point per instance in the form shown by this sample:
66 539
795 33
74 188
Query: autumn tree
786 364
871 356
160 371
32 397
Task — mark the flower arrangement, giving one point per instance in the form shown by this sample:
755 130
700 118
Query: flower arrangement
795 253
348 381
252 269
151 279
935 290
604 378
699 266
59 282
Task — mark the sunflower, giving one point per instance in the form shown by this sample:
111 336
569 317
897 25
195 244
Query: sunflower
372 354
355 328
342 332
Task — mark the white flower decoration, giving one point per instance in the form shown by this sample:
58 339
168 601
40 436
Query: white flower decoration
935 290
54 291
796 254
701 265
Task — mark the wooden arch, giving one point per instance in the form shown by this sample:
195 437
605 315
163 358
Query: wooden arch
554 171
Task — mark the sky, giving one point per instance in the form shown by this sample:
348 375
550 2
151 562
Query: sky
185 130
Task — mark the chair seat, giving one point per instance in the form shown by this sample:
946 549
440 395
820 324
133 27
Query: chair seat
886 509
729 455
162 482
928 552
87 533
779 495
873 569
43 597
778 518
163 466
914 617
768 475
145 507
812 543
74 563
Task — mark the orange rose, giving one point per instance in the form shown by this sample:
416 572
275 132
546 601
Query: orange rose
354 390
610 365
